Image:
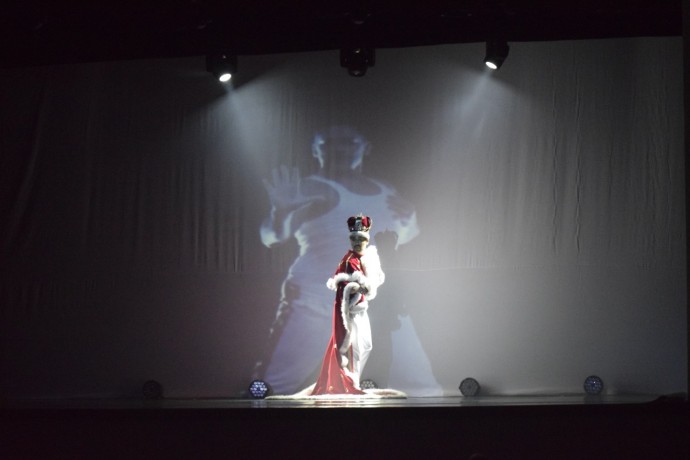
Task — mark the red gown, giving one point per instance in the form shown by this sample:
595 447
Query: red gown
333 379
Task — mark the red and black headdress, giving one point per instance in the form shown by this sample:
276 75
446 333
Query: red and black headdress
359 225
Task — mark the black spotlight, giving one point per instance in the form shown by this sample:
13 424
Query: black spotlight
152 390
496 53
469 387
593 385
357 60
221 65
259 389
368 384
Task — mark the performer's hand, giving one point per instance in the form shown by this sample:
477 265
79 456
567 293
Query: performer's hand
285 192
401 209
386 243
358 289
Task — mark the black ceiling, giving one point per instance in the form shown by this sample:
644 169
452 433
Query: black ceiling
37 32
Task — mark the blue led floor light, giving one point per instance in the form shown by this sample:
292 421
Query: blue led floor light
259 389
593 385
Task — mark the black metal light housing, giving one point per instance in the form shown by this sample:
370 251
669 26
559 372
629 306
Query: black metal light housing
221 65
469 387
357 59
496 53
151 389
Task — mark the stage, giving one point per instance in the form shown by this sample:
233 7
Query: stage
497 427
247 403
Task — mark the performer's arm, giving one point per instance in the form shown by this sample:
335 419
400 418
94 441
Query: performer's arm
405 219
277 227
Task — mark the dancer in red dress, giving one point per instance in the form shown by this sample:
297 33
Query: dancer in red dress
356 281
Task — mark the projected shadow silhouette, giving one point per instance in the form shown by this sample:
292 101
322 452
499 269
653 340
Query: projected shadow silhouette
313 210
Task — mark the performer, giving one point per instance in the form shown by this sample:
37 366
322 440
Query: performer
356 281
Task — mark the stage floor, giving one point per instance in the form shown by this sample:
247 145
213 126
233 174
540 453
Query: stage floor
409 402
564 427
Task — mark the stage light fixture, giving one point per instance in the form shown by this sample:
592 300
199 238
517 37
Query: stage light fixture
259 389
469 387
368 384
152 389
221 65
496 53
357 59
593 385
